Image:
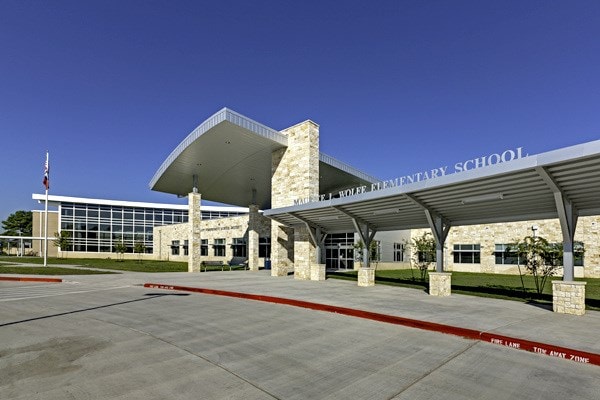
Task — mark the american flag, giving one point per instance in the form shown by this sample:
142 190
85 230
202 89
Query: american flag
46 180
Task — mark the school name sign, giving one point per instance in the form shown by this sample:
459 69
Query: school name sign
475 163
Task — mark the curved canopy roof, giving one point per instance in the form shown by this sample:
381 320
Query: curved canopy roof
522 189
231 156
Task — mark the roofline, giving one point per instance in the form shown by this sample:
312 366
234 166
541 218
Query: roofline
327 159
225 114
84 200
578 151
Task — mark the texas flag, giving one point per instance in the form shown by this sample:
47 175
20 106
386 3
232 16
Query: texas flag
46 180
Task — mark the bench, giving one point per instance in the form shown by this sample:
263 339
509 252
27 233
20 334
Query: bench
205 264
232 264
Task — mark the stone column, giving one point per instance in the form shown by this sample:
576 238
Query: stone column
194 218
294 176
305 253
282 249
568 297
366 277
253 237
439 283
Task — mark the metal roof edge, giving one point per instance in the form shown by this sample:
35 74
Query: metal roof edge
124 203
225 114
548 158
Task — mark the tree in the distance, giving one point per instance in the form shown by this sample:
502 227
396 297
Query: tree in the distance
19 223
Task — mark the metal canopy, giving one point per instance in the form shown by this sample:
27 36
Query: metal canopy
522 189
231 157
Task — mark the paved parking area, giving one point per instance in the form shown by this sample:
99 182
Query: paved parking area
105 336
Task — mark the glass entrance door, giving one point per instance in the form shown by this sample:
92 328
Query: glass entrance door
339 258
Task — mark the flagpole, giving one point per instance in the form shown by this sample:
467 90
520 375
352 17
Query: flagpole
46 218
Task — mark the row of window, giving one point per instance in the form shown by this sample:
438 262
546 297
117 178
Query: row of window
471 254
238 247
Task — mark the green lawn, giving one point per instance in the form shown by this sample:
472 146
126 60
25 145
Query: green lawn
484 285
112 264
7 269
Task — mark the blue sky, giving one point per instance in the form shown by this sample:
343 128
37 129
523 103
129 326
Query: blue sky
110 88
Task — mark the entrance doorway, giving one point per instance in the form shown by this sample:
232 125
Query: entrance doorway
339 251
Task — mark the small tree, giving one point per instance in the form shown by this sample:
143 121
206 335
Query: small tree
120 249
359 251
63 241
139 247
423 253
539 258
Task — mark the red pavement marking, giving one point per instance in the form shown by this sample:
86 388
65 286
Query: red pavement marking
507 341
29 279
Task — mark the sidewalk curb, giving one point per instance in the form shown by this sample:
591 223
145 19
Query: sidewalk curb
473 334
30 279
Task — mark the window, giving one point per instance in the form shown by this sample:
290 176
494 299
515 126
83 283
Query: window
578 252
204 247
186 250
239 247
175 247
505 256
264 247
219 248
398 252
467 253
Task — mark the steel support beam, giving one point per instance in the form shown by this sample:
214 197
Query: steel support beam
440 228
366 233
315 235
568 216
440 232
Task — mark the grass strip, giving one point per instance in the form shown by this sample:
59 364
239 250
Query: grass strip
4 269
498 286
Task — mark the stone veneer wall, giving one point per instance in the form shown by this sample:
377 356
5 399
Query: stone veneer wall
294 175
588 232
221 228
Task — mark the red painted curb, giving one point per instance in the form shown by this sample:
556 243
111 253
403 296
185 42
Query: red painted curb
29 279
515 343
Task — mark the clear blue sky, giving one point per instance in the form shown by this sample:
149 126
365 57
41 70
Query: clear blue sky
110 88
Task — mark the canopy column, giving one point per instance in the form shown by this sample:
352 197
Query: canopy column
366 274
253 237
440 231
194 221
568 295
440 282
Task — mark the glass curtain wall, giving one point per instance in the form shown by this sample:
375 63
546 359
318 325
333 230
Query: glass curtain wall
97 228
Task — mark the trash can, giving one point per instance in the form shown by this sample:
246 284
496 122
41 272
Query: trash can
267 263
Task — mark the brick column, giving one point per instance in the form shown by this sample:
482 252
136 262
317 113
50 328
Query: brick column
568 297
294 176
440 283
194 218
253 237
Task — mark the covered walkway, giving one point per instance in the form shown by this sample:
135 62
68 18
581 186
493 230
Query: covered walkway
563 184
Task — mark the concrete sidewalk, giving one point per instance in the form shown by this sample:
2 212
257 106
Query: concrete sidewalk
108 336
526 322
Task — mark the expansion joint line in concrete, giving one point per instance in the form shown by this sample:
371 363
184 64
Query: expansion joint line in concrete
473 334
